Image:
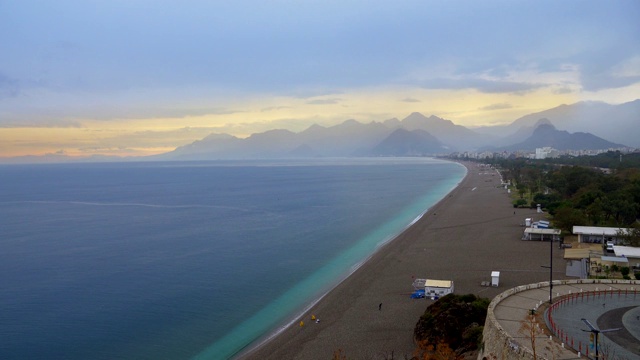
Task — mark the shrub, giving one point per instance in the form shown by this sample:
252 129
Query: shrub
637 276
624 270
520 202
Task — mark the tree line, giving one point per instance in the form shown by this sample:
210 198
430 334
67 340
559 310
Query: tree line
585 191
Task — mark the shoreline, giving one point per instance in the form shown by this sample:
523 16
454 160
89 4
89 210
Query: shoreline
263 341
351 319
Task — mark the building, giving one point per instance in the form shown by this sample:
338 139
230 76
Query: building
495 278
629 252
578 261
546 152
541 234
601 235
438 288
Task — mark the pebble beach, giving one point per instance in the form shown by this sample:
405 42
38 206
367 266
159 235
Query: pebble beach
471 232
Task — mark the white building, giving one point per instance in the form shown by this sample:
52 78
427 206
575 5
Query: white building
540 234
546 152
438 288
495 278
600 235
629 252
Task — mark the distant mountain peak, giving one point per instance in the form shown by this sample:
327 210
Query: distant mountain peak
403 142
544 127
543 121
316 127
547 135
351 122
218 136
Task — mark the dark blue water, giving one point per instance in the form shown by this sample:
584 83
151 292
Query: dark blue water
182 260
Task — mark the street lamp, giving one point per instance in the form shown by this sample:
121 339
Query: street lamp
596 333
550 267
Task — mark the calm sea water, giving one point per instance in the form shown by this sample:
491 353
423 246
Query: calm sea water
189 260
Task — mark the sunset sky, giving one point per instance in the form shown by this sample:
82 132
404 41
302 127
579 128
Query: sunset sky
138 77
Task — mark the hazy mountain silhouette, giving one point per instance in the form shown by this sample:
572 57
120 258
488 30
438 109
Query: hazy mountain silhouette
403 142
414 135
616 123
590 122
547 135
521 134
347 139
454 136
350 138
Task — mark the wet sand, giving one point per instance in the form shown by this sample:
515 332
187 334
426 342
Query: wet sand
468 234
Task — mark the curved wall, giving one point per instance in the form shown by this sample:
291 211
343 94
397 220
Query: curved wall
499 343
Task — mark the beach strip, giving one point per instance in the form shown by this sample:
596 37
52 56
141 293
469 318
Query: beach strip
471 232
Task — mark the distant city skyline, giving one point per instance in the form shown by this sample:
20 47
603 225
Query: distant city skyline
132 78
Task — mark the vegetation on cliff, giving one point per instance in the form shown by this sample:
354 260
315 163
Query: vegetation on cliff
454 320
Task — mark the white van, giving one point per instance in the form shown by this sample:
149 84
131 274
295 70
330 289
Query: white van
609 246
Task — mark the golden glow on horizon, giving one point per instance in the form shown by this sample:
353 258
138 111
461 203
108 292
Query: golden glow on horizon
135 137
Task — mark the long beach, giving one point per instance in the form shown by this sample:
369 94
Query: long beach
473 231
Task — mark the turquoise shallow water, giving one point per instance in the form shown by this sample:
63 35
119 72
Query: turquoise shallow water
310 290
189 260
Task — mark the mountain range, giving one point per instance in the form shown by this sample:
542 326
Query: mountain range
580 126
420 135
546 135
617 123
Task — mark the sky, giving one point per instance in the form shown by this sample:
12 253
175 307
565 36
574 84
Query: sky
140 77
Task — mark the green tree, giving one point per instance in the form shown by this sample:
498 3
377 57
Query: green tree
631 236
566 218
625 270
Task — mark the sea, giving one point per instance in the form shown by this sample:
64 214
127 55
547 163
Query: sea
190 260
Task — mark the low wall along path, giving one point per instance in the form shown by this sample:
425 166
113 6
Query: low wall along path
562 334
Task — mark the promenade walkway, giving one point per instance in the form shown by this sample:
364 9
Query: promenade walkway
604 303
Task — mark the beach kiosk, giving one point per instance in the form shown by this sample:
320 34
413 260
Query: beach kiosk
495 278
438 288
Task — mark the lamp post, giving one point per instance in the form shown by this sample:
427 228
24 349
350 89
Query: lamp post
596 333
550 267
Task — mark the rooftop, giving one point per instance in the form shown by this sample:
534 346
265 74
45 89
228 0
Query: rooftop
596 230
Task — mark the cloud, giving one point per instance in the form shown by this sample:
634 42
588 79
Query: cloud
563 90
482 85
149 112
271 108
500 106
39 123
410 100
324 101
612 69
603 81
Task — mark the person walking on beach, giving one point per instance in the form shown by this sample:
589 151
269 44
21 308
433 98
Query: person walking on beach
380 307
